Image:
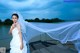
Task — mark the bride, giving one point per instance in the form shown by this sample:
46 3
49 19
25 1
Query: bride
17 44
22 32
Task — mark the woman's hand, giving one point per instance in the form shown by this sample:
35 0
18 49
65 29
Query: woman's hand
13 25
21 46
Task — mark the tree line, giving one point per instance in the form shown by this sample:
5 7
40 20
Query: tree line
9 21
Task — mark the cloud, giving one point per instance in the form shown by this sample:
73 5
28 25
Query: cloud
39 8
29 4
41 14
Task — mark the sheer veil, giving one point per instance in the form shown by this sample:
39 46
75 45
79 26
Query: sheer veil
62 32
22 23
28 30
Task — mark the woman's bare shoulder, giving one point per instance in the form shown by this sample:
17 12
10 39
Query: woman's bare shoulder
18 25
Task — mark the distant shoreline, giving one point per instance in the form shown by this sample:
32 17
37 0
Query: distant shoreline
55 20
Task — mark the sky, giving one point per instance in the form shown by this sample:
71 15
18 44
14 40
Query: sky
31 9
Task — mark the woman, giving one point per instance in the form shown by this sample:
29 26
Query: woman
17 41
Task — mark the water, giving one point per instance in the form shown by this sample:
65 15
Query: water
5 38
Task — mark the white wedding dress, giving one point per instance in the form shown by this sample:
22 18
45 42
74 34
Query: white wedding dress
15 43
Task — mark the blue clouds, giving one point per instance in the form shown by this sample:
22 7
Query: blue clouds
40 8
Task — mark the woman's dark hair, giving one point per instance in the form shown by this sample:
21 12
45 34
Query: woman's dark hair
15 15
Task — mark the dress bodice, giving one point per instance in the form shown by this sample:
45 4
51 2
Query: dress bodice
15 31
15 37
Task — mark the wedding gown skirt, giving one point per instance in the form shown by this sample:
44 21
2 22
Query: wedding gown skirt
15 43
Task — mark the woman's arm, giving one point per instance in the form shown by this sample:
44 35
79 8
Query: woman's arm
11 28
20 35
10 31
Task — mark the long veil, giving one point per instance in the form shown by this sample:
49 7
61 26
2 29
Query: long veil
62 32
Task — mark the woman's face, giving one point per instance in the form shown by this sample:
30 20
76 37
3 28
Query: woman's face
14 18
